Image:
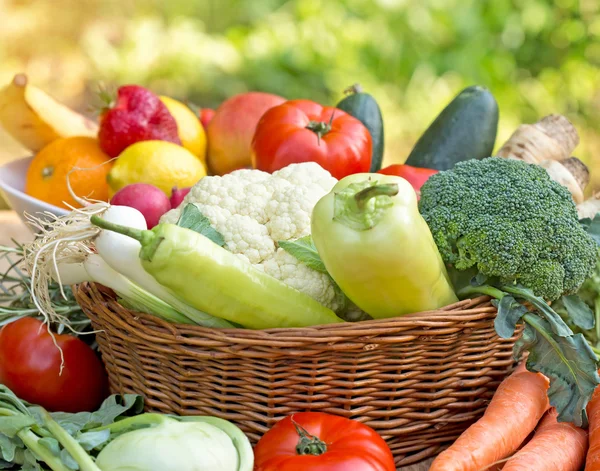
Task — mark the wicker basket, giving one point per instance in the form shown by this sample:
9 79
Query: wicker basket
419 380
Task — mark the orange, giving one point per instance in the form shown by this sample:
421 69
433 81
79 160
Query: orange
47 175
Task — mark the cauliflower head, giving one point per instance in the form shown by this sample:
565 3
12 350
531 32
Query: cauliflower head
253 210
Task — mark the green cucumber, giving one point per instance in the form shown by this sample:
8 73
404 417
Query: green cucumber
466 129
363 107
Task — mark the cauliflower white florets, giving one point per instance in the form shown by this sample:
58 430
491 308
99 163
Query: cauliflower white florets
253 210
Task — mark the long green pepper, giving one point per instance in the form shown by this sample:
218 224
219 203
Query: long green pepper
215 281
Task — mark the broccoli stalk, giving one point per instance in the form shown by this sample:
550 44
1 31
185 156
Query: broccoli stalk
507 230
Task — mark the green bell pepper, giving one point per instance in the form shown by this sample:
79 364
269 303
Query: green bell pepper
378 248
213 280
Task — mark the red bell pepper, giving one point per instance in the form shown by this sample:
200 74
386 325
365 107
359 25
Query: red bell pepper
416 176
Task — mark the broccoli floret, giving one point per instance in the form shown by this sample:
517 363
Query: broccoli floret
510 221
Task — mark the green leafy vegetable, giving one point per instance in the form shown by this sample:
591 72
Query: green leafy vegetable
115 437
304 250
192 218
24 430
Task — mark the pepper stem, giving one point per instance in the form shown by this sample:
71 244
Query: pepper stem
144 237
385 189
362 205
308 444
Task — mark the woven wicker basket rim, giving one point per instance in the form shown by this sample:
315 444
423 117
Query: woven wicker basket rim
462 312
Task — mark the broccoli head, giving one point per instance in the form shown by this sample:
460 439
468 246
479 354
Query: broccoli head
510 221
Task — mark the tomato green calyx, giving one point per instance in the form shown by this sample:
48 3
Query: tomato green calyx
308 443
361 206
320 128
148 239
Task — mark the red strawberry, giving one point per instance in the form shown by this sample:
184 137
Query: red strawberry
138 115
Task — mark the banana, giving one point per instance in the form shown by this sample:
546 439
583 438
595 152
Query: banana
35 119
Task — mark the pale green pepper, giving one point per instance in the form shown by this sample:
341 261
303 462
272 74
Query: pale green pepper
378 248
214 280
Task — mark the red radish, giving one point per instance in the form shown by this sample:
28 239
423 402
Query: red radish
147 199
178 195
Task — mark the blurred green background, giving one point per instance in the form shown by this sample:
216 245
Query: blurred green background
537 56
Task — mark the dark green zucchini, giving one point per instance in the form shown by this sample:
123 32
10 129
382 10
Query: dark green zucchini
363 107
466 129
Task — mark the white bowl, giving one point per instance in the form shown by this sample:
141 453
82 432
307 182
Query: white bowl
12 186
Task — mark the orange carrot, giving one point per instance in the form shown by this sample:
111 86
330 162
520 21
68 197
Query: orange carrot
512 414
556 446
592 462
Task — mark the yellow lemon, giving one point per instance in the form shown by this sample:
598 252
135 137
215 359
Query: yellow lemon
159 163
189 127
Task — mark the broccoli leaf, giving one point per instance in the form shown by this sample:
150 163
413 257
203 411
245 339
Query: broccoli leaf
568 362
579 312
192 218
304 250
557 324
510 312
592 227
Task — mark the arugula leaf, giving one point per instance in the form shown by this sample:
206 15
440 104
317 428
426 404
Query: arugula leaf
592 227
579 312
304 250
193 219
510 312
568 362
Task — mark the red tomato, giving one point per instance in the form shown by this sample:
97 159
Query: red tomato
416 176
205 115
30 365
314 441
303 131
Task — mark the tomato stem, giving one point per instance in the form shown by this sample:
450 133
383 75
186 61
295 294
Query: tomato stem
320 128
308 444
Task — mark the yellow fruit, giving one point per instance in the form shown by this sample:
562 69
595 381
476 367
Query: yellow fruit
159 163
190 129
35 119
